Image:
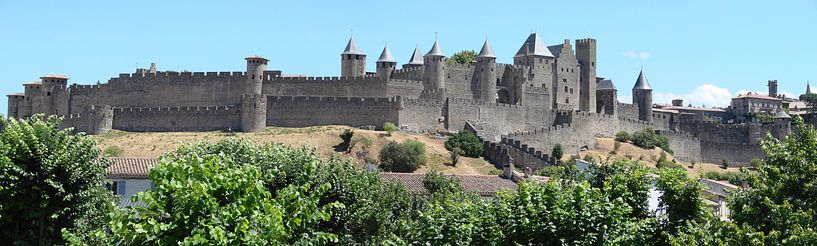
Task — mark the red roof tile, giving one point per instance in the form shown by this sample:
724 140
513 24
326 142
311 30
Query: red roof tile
130 167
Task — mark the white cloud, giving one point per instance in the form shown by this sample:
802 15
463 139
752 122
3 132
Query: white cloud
637 54
625 98
705 94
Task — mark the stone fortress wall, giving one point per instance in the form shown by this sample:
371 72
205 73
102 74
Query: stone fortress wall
539 102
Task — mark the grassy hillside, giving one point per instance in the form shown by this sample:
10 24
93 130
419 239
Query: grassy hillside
324 138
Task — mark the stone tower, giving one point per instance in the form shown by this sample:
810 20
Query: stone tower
434 62
642 97
256 66
772 88
782 125
586 54
416 59
253 112
352 61
385 64
486 66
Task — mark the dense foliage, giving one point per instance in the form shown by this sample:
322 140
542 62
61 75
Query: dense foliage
346 136
50 180
403 157
647 139
462 57
466 141
389 127
623 136
557 152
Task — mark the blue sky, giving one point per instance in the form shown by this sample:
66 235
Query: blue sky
702 51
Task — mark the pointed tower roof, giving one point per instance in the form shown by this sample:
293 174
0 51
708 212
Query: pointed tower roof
642 83
781 115
385 56
808 88
486 50
534 46
416 57
351 48
435 50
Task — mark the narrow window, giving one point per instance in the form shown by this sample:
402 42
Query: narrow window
565 88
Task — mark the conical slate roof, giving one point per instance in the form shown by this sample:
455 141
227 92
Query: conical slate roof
385 56
781 114
351 48
486 50
435 50
534 46
642 83
416 57
808 88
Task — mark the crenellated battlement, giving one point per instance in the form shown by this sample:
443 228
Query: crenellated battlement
480 103
278 79
585 41
170 74
207 109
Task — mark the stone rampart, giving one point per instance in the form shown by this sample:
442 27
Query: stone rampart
301 111
164 119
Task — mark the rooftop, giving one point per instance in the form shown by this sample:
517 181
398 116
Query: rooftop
757 96
54 76
534 46
130 167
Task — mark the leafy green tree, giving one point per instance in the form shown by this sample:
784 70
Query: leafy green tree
646 138
435 182
782 198
466 141
682 198
462 57
557 152
403 157
811 101
50 181
389 127
219 194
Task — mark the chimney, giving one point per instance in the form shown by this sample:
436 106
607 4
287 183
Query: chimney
678 102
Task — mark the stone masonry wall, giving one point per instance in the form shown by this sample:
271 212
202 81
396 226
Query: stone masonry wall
177 119
304 111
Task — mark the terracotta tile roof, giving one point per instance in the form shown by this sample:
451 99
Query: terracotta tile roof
130 167
483 185
55 76
758 96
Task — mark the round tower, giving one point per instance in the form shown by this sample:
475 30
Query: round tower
253 112
352 61
434 64
486 64
642 97
256 66
782 124
385 64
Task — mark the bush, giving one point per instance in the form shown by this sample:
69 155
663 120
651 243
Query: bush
646 138
403 157
616 146
735 178
724 163
455 156
623 136
389 127
755 162
113 151
557 152
467 141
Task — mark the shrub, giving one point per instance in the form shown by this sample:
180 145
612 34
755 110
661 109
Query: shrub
623 136
725 163
616 146
466 141
755 162
403 157
389 127
455 156
646 138
113 151
589 158
557 152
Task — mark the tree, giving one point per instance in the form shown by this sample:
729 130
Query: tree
781 198
389 127
403 157
466 141
50 181
229 193
557 152
645 138
463 57
811 101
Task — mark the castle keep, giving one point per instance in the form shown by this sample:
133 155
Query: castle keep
550 94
